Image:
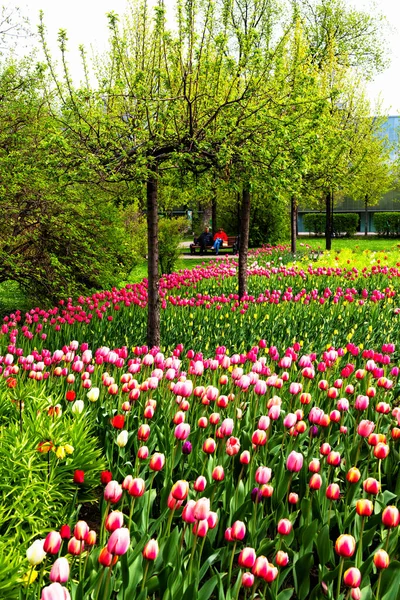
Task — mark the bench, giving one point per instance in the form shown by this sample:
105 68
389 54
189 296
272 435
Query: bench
232 244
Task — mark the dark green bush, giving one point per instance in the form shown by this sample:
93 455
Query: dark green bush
387 223
170 234
343 223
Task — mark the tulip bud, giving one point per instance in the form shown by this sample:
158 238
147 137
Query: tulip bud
157 462
151 549
284 527
371 486
113 492
381 559
81 530
353 475
122 439
352 577
35 553
238 531
247 580
391 516
364 507
315 482
201 509
55 591
247 558
345 545
59 572
333 491
114 521
294 462
52 543
200 484
119 541
218 474
106 559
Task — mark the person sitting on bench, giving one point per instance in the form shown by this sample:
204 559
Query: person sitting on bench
205 239
219 239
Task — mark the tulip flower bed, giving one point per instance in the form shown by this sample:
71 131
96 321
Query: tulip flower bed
200 307
221 466
267 474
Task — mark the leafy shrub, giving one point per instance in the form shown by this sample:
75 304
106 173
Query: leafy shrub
170 235
343 223
387 223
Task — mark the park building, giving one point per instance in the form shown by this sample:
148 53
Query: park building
389 203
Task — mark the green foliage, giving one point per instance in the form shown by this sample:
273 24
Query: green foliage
171 233
59 236
343 223
387 223
269 222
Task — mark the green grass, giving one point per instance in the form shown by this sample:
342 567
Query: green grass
140 270
12 298
357 244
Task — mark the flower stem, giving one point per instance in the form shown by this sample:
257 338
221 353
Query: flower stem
231 565
145 575
339 578
378 587
359 549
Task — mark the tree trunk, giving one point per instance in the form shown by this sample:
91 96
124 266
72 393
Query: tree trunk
366 215
293 223
328 228
214 211
207 215
244 240
153 302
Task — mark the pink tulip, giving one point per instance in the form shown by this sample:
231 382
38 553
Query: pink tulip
182 431
294 462
238 531
263 475
365 428
150 551
113 492
114 521
52 543
55 591
284 527
247 558
119 541
59 572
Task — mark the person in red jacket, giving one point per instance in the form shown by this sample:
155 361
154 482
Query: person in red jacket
219 238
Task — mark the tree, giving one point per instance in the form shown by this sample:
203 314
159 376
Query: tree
58 236
186 99
340 40
375 175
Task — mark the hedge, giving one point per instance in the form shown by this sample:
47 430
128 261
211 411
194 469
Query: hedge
387 223
343 223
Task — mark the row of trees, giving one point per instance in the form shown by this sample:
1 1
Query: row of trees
246 97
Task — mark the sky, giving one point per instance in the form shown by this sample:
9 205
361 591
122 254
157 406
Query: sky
86 23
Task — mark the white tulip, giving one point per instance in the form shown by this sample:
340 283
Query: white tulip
35 553
122 438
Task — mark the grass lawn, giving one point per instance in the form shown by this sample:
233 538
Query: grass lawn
140 271
357 244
